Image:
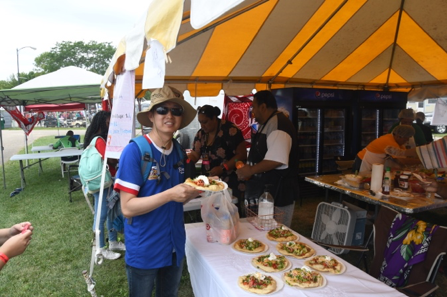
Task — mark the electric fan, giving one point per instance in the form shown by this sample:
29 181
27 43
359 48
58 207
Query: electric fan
333 224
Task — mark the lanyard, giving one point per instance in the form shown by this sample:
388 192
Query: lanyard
265 124
214 140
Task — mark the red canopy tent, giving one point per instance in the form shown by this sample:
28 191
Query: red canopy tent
54 107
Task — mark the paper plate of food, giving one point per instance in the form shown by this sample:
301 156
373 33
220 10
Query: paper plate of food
203 183
271 263
352 180
304 278
281 234
250 246
259 283
400 194
296 249
324 263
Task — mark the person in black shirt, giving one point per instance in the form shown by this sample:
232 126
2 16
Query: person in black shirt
272 159
420 117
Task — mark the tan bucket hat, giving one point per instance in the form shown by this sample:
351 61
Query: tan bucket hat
171 94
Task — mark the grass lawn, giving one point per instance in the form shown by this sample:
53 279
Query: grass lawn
61 246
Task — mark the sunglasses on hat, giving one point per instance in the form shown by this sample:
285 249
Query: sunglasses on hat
163 110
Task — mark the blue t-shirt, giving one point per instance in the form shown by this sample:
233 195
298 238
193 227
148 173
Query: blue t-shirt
152 237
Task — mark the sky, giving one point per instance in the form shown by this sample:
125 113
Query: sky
43 23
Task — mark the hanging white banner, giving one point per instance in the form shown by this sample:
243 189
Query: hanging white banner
154 66
121 128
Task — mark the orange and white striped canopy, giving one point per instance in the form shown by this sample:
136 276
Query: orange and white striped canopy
395 45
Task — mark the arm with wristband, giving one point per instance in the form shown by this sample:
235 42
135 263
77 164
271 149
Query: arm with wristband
14 241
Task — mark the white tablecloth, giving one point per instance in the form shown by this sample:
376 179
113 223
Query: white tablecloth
215 268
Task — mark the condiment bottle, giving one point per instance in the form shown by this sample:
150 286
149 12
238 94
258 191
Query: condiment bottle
407 173
386 186
403 182
388 174
396 180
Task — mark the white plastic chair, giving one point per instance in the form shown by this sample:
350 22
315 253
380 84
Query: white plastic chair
65 162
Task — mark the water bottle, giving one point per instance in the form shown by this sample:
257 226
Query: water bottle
234 214
210 223
266 208
225 232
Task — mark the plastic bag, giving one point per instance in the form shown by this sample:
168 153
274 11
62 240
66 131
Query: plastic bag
221 218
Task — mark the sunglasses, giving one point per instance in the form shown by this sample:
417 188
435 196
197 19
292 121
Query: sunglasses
163 110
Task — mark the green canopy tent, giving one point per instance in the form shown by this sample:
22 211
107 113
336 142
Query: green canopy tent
66 85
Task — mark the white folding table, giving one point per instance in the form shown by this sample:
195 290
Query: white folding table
214 269
40 157
40 148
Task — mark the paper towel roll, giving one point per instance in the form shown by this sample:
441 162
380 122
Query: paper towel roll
376 177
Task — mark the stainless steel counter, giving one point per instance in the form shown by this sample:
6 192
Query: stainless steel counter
416 203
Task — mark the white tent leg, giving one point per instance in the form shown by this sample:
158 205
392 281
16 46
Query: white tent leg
90 283
97 257
26 146
3 159
88 201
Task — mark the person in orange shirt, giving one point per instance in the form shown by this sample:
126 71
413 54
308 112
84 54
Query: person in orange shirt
374 152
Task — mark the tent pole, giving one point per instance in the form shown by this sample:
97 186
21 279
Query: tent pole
26 146
3 160
22 111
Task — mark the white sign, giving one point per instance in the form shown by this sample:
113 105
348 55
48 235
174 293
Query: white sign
154 66
121 128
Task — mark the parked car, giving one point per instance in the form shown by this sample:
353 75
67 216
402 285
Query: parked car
77 123
441 129
53 122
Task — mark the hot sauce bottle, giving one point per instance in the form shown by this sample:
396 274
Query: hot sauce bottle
386 186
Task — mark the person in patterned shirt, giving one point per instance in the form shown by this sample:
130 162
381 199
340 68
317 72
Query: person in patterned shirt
219 143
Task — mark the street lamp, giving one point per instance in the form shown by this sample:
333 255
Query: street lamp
18 71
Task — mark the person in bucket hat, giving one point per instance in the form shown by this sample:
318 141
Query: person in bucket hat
171 94
154 229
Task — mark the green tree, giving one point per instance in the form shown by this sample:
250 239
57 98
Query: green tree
8 84
92 56
12 81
